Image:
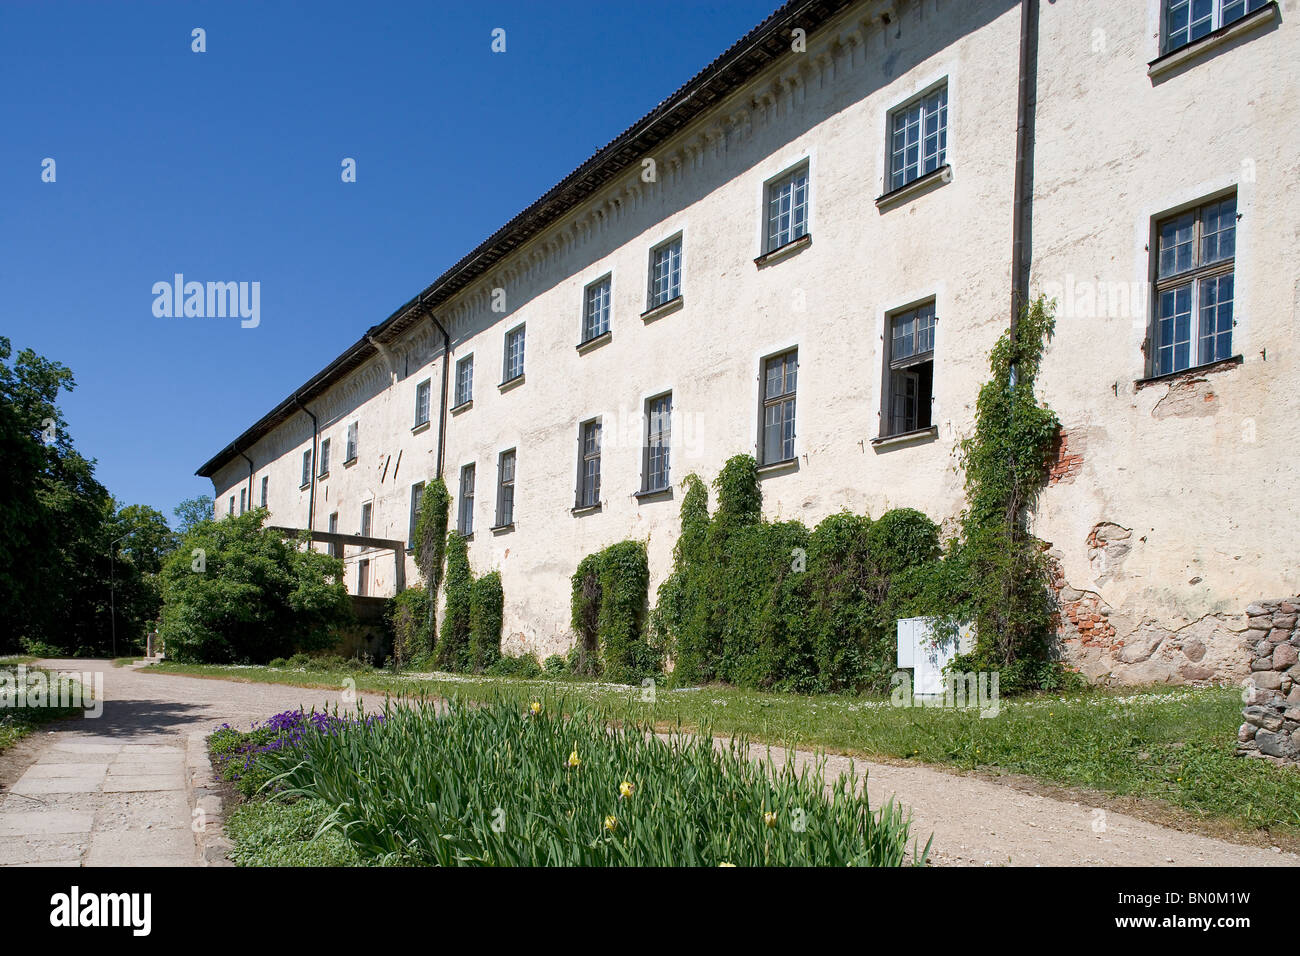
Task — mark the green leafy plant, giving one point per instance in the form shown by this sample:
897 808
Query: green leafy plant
485 613
255 596
608 613
504 785
1006 464
431 541
452 652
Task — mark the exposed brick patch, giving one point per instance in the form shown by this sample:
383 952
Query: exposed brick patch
1067 458
1079 616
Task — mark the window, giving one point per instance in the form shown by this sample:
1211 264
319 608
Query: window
306 468
265 481
787 208
243 500
918 138
909 379
417 492
514 354
232 506
352 443
1189 20
595 311
363 578
506 489
464 380
658 434
1194 280
779 374
465 510
589 464
336 550
324 458
666 272
366 510
422 403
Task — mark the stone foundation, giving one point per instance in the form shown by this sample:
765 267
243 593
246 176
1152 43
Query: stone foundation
1272 714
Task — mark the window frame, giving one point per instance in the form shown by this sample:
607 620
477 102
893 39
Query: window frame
353 445
587 492
678 240
1197 274
423 401
506 377
664 436
367 519
770 241
766 401
894 364
266 480
363 577
417 493
465 500
464 377
584 333
335 549
306 469
943 86
1217 21
505 518
324 459
243 500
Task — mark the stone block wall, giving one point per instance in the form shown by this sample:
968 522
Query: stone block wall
1272 714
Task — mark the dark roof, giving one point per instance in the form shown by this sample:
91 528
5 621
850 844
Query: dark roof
748 56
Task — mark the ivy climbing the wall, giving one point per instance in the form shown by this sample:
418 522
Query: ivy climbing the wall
486 603
1006 462
608 613
773 605
453 652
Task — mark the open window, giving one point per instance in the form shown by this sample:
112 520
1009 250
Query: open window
909 371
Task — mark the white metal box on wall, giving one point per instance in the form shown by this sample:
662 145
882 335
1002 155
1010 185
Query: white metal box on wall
926 655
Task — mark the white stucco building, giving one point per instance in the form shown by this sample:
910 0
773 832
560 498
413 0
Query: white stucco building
805 253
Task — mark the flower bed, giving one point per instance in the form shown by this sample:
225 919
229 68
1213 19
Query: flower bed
503 785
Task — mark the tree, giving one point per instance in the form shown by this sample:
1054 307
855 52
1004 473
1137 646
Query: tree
54 566
191 512
235 591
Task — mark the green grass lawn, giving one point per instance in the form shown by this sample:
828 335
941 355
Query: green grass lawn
1172 745
17 722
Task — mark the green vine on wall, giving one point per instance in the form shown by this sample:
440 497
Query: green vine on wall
1006 461
608 613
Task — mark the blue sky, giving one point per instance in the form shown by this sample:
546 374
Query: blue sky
225 166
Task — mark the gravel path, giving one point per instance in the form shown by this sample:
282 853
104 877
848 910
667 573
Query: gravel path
119 790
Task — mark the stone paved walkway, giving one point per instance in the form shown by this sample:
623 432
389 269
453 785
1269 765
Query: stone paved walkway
117 790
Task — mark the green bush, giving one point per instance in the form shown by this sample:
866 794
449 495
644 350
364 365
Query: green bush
523 666
255 596
431 542
407 616
550 789
557 665
608 613
769 605
452 653
485 610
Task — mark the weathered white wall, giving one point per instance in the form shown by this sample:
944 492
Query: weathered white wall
1197 472
1112 151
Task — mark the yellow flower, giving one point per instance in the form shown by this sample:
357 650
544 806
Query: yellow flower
611 823
732 865
574 760
769 817
535 707
625 789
